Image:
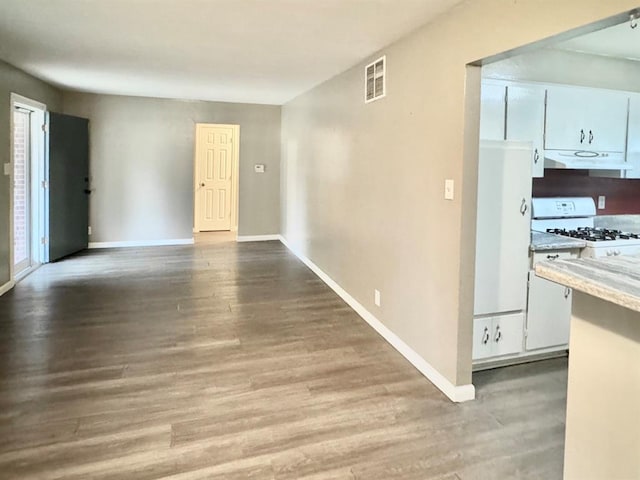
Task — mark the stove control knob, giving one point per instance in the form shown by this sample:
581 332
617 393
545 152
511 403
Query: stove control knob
610 253
616 253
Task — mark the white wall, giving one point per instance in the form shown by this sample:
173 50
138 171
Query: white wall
141 162
362 185
548 65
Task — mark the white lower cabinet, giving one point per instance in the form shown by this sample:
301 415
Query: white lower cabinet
548 314
497 335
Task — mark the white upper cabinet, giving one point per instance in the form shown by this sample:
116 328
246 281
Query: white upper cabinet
585 119
492 110
633 139
525 120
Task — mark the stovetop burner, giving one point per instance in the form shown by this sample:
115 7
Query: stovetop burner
594 234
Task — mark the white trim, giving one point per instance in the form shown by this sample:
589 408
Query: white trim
142 243
15 98
258 238
38 148
461 393
26 272
6 287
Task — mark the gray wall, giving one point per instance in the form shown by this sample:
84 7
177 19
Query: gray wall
362 185
13 80
142 153
571 68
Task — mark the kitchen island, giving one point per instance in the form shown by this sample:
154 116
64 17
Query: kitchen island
602 439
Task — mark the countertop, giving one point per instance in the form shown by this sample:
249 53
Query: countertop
614 279
550 241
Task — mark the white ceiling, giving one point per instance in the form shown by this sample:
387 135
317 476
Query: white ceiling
254 51
620 41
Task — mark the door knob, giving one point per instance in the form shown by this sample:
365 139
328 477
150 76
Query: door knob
202 184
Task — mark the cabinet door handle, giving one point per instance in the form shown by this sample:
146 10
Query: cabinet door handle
485 336
553 257
523 207
590 137
498 334
567 292
536 156
582 136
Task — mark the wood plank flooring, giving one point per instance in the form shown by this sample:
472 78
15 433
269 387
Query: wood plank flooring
234 361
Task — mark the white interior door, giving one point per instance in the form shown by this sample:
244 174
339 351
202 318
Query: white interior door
215 156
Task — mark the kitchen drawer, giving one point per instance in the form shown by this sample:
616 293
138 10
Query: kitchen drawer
551 255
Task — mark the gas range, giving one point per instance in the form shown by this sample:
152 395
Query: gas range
574 217
602 242
594 234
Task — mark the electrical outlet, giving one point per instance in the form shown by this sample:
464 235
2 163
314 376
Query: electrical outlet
601 202
448 189
7 169
376 297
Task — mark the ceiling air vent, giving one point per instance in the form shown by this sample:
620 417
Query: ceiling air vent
375 80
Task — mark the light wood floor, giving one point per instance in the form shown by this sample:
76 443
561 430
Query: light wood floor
233 361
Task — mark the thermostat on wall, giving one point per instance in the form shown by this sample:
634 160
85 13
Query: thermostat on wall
259 168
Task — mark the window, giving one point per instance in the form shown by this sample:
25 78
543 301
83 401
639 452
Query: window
375 80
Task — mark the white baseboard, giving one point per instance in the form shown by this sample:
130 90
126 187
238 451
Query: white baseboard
6 287
461 393
257 238
142 243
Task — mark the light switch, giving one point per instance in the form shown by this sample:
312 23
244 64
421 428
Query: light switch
448 189
7 169
258 168
601 202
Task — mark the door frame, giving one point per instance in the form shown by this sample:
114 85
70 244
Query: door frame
235 175
39 179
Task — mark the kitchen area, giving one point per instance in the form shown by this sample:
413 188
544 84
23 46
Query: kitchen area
558 235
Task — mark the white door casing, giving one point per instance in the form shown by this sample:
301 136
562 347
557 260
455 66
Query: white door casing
216 177
38 201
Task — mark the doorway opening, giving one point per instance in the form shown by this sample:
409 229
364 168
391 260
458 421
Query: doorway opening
216 182
29 202
503 108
